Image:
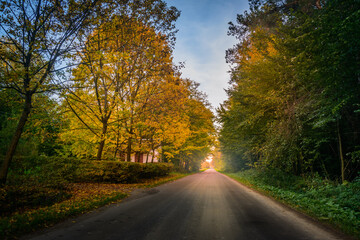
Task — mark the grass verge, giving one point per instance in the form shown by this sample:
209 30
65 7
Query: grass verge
336 204
84 198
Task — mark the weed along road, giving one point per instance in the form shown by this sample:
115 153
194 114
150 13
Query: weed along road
206 205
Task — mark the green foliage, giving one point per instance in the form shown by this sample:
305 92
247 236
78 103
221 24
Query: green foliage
120 172
331 202
295 89
58 170
197 146
34 63
40 136
49 171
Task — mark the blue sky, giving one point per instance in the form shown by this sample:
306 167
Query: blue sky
202 40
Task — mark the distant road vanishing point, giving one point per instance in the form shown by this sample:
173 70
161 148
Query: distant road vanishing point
206 205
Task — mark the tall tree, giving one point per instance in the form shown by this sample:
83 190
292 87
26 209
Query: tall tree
123 63
294 97
35 36
200 137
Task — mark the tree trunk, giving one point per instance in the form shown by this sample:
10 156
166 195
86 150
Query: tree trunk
122 156
153 156
128 155
341 155
102 142
186 165
15 140
139 153
116 147
100 149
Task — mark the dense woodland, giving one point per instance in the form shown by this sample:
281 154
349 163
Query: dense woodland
93 79
294 99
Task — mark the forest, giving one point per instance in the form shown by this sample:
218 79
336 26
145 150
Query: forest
294 96
95 80
290 127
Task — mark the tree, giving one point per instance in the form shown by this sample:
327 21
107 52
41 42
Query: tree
35 36
294 97
123 64
198 142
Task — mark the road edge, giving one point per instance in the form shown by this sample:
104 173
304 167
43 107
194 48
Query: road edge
301 214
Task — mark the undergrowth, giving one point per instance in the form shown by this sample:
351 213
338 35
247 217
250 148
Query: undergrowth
24 222
80 198
337 204
44 191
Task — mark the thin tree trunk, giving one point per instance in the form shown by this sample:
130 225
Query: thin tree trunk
153 156
341 154
186 165
15 140
116 146
140 152
100 149
128 155
122 155
115 153
102 142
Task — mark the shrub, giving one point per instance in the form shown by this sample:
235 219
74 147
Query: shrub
56 171
121 172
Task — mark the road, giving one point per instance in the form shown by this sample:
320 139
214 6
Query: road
206 205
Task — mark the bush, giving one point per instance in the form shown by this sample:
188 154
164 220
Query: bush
121 172
56 171
50 171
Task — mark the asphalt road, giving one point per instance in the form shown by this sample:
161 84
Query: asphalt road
206 205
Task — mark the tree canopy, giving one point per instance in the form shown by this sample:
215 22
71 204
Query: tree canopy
294 96
94 79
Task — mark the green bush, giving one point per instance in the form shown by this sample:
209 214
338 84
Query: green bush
57 170
121 172
50 171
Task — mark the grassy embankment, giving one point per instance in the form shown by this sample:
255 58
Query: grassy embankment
40 194
336 204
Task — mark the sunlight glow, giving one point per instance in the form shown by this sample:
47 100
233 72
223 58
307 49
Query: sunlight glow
209 159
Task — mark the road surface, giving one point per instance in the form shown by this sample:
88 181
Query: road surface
206 205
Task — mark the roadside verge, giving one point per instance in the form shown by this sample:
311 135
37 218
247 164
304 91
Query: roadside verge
321 202
85 197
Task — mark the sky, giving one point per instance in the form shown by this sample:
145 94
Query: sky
202 40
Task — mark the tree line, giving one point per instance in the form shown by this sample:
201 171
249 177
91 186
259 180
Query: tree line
294 96
96 79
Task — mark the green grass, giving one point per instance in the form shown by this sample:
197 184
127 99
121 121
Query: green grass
336 204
